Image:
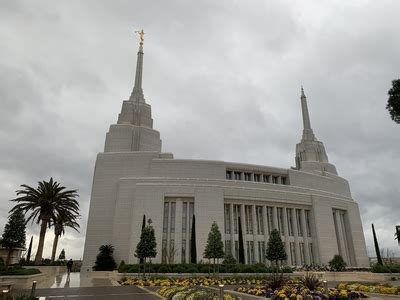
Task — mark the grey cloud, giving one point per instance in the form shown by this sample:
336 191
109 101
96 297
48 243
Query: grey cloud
223 80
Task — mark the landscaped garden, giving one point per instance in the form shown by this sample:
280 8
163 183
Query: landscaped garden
272 286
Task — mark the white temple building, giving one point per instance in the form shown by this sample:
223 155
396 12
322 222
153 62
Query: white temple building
310 205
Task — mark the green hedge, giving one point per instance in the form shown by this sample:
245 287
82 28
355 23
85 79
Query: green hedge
197 268
20 271
392 268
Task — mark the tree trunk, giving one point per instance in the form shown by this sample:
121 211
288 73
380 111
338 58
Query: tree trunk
8 258
39 253
55 243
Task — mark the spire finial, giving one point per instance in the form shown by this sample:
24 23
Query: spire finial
141 36
302 91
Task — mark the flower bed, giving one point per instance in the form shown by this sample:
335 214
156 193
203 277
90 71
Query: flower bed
190 293
371 288
206 281
298 292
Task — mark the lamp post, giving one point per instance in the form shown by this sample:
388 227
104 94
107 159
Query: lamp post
33 290
221 291
4 294
325 286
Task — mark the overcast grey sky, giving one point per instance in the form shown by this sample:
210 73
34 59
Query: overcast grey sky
223 79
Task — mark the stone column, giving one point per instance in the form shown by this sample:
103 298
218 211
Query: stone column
305 237
279 180
296 237
269 178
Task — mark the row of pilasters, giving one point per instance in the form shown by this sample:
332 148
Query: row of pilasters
255 237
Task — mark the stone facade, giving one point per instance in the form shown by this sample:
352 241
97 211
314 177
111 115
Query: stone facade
310 205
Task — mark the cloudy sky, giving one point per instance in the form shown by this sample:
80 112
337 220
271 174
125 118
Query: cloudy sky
223 79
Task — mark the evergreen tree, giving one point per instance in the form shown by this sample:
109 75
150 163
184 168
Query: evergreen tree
214 247
193 250
241 244
14 233
62 255
337 263
105 259
143 226
378 252
397 234
393 104
28 255
146 247
275 248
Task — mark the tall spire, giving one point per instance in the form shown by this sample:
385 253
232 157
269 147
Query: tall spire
137 92
308 133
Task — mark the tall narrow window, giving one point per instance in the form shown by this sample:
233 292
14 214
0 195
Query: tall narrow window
311 253
229 175
260 220
191 212
290 220
307 214
283 180
173 206
166 214
252 258
236 214
293 254
237 250
269 219
227 218
257 177
248 252
249 219
172 252
228 247
261 252
184 217
247 176
265 178
302 256
298 220
183 255
280 220
164 251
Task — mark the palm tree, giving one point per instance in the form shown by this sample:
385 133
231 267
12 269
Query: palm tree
45 203
62 221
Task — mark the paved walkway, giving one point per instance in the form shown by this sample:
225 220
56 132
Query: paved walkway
100 293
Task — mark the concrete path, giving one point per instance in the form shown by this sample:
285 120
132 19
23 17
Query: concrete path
100 293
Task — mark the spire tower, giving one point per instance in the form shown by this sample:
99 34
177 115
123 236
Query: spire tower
134 129
137 92
308 133
310 153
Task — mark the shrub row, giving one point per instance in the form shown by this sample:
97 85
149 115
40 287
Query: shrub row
389 268
197 268
20 271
